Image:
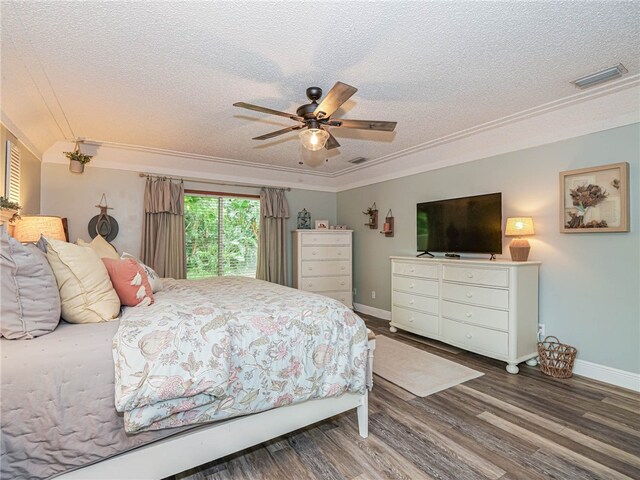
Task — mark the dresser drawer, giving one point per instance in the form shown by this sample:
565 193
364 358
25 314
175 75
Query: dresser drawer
328 253
478 339
329 267
484 317
494 277
424 270
488 297
326 239
408 300
423 322
416 285
344 297
326 284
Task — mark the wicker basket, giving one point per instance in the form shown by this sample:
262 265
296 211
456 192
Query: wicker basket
556 358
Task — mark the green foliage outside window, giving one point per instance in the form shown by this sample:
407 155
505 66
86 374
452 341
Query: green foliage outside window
221 245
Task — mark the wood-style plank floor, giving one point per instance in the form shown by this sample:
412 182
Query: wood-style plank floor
498 426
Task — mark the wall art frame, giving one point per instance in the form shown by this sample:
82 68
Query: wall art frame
595 199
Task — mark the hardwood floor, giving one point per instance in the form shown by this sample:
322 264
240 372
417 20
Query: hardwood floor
498 426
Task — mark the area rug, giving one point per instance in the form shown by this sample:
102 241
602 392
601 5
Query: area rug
419 372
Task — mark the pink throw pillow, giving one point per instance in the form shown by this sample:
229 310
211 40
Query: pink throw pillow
130 282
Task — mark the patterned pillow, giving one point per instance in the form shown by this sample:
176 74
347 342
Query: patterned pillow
154 278
130 282
30 304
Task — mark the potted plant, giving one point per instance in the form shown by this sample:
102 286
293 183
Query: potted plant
77 160
8 210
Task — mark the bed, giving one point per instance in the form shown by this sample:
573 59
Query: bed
58 404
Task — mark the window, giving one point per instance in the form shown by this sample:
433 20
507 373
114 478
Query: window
221 234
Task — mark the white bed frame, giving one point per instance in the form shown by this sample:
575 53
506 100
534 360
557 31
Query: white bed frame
192 448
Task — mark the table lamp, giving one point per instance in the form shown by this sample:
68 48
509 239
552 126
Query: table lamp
29 228
519 227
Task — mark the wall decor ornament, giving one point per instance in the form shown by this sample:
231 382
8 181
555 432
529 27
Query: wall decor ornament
103 224
304 220
372 212
322 224
77 159
595 200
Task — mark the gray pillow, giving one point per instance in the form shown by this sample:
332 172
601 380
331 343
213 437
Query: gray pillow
30 304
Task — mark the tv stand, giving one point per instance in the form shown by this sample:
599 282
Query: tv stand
452 255
430 255
486 307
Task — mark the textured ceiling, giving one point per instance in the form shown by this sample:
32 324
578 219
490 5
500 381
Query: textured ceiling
165 75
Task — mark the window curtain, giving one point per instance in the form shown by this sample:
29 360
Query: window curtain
163 236
272 247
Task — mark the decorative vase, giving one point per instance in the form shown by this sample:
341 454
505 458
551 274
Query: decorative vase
76 166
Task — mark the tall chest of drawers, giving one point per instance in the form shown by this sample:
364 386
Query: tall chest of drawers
322 263
490 308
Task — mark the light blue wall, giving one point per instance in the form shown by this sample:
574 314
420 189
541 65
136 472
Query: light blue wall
589 283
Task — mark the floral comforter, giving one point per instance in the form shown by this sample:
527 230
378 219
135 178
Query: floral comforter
218 348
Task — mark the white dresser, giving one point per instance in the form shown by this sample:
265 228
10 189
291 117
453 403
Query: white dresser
322 263
487 307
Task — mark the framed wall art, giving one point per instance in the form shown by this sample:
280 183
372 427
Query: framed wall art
595 199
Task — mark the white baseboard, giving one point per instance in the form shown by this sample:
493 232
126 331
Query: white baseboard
373 311
614 376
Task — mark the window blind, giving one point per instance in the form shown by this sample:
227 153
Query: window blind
12 187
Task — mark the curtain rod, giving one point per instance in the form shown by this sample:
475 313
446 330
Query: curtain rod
211 182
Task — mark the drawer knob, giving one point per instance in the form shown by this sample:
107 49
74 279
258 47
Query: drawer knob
411 302
309 285
411 285
412 269
469 295
342 267
469 335
339 253
411 319
314 253
469 275
342 283
310 268
469 314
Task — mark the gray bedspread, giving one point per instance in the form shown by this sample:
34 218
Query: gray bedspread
57 408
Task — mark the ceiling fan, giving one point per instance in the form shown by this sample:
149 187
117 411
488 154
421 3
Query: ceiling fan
314 118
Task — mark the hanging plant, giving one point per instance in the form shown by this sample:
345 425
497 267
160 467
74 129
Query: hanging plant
77 159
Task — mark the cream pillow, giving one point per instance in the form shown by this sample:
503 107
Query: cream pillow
103 248
86 291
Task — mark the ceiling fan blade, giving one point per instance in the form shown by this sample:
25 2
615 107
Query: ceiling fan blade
278 132
340 93
331 142
364 124
268 110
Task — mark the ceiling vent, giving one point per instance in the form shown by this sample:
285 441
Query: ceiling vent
357 160
600 77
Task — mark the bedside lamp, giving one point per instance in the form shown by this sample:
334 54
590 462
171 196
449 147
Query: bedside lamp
518 227
29 228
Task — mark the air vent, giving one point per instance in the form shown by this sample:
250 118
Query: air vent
357 160
600 77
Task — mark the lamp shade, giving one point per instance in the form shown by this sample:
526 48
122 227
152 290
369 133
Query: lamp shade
519 226
29 228
313 138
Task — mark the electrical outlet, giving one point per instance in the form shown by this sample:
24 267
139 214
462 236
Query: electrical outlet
541 331
373 294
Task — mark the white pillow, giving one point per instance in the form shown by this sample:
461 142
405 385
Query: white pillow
154 278
103 248
86 291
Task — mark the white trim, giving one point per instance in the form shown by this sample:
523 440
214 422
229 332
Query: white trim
373 311
195 447
613 376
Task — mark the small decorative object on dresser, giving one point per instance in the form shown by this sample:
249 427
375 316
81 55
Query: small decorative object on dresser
519 227
594 200
322 263
490 308
322 224
304 220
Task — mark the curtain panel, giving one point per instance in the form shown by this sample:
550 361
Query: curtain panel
272 246
163 235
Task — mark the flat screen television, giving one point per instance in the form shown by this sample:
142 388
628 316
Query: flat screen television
461 225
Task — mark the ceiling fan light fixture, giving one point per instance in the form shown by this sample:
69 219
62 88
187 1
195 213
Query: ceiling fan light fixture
313 138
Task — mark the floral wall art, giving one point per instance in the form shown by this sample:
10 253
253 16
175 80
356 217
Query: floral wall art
595 199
